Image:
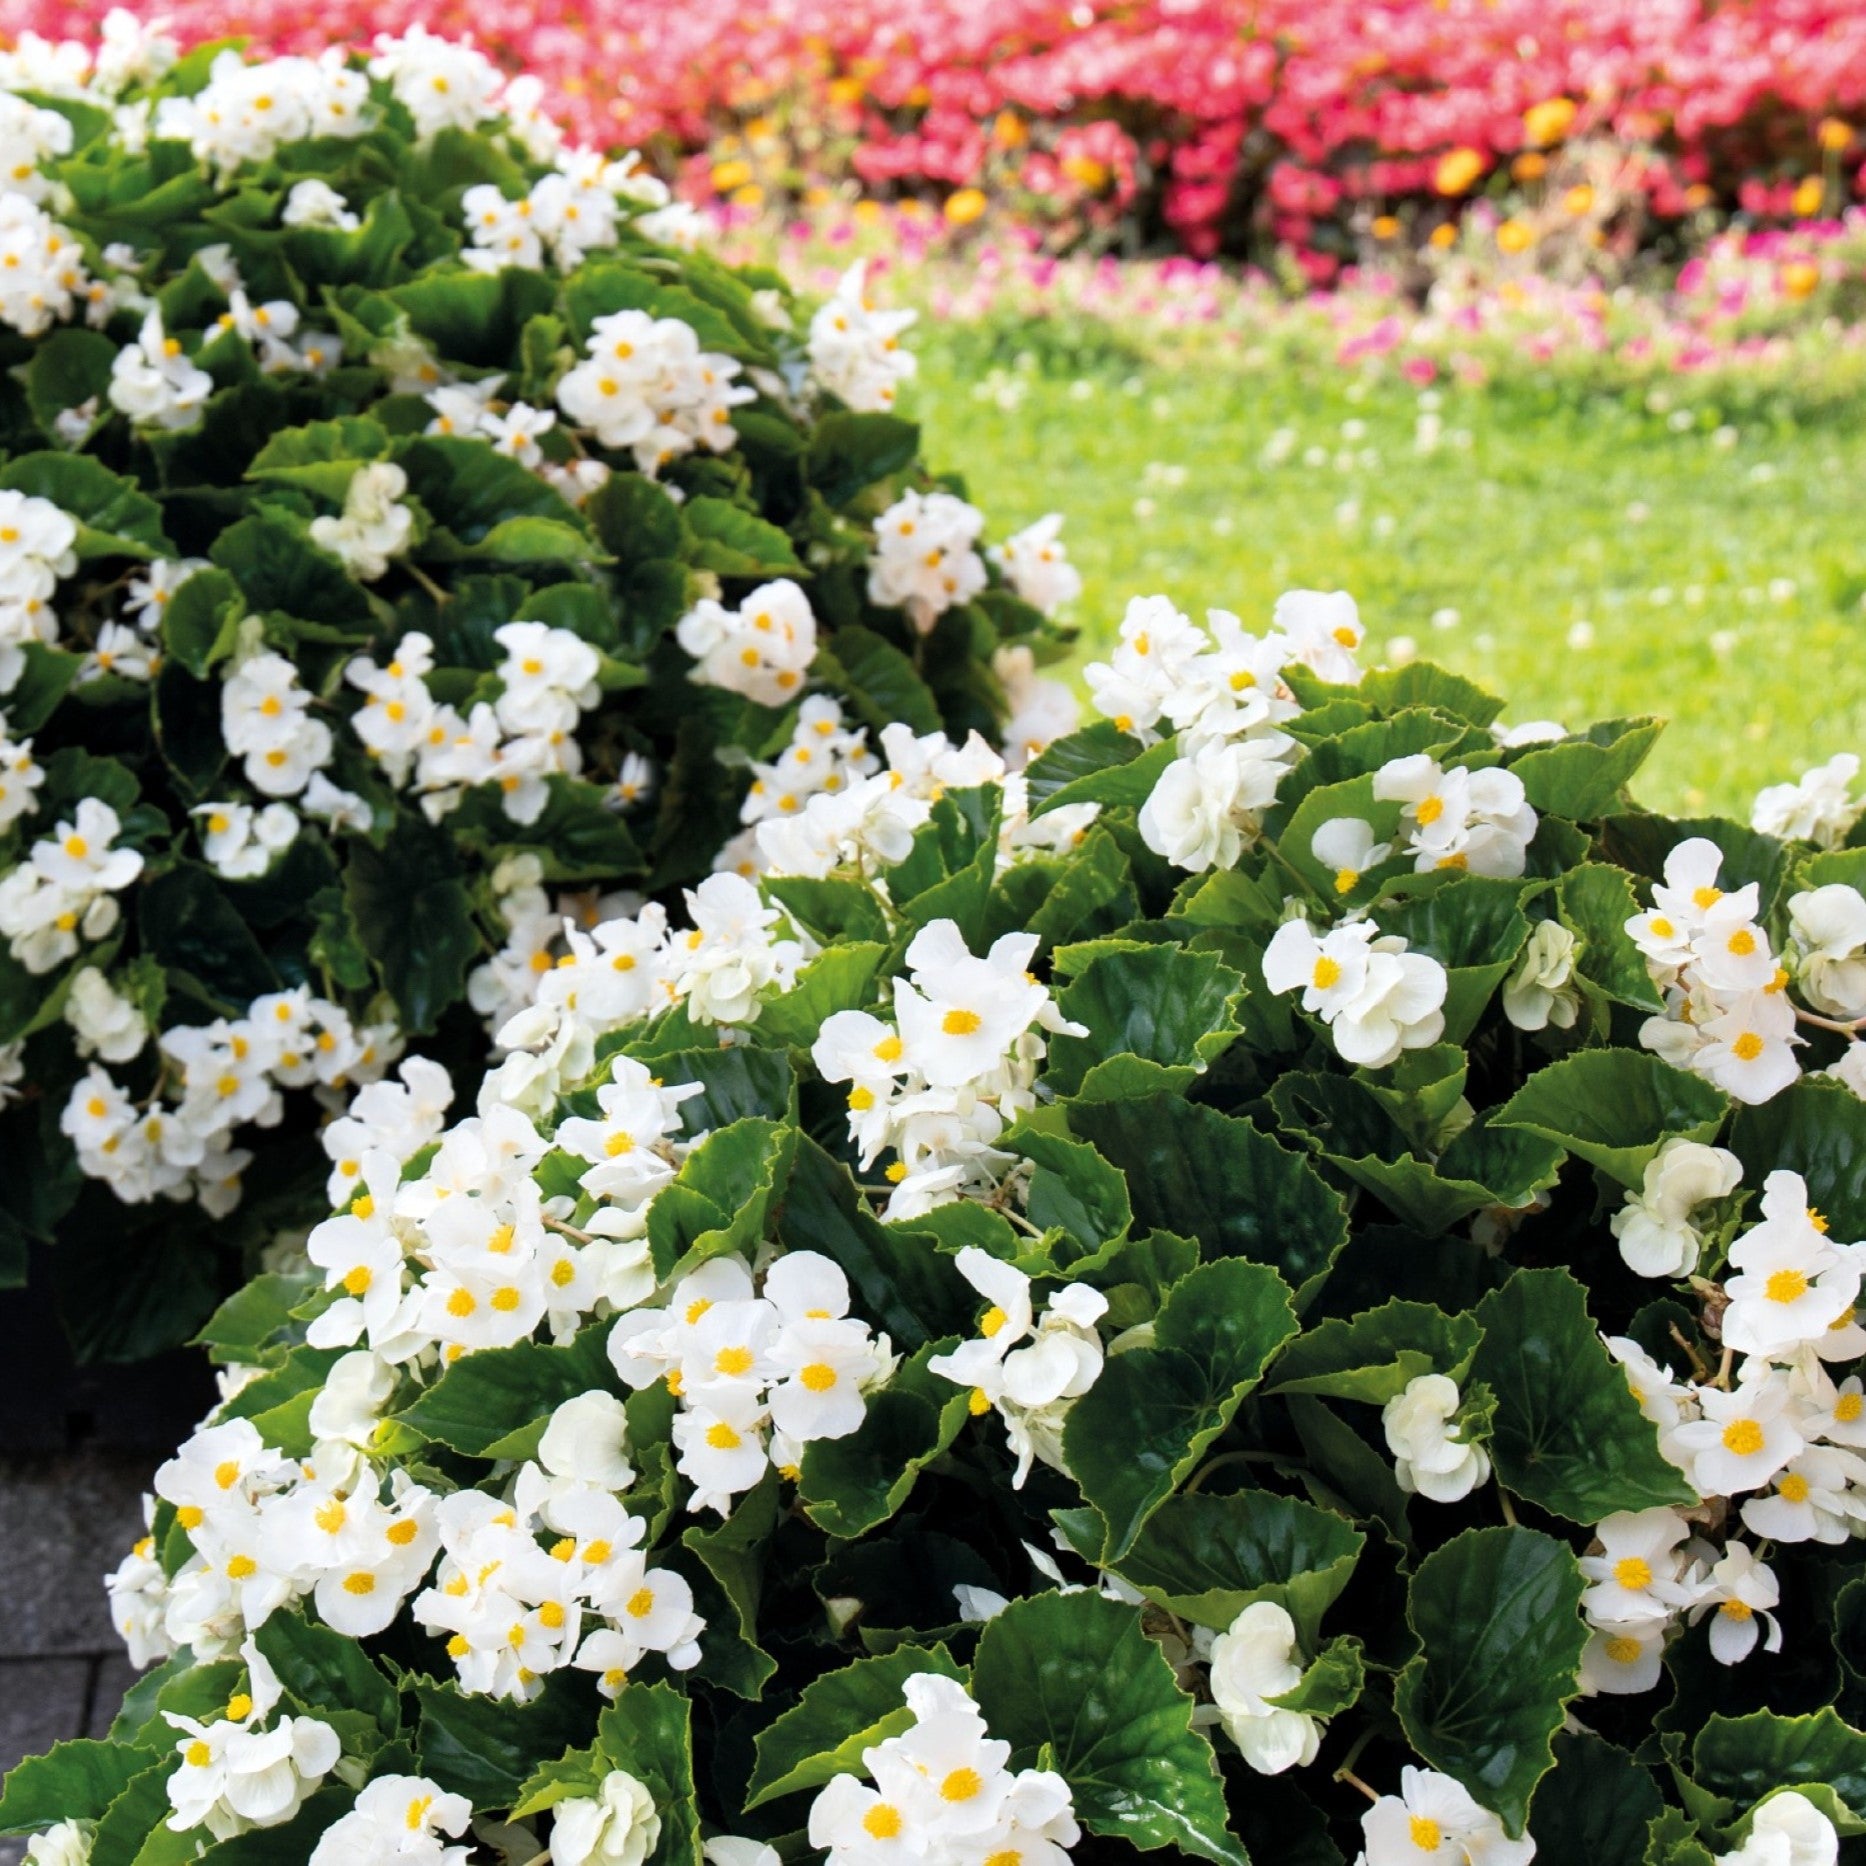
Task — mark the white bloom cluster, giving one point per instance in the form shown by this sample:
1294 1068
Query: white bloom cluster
1820 808
1253 1662
1475 820
105 1023
399 1819
247 112
1037 567
758 1376
568 213
1376 997
42 271
37 548
855 349
1727 1012
518 742
374 526
155 382
926 557
762 649
1041 710
1030 1372
554 1575
958 1065
1431 1455
1224 694
65 890
21 775
1787 1830
647 388
1542 990
617 1826
1434 1821
469 410
1781 1435
824 757
266 720
941 1794
226 1073
445 83
236 1775
396 1117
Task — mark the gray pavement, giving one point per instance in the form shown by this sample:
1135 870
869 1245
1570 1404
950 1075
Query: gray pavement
65 1522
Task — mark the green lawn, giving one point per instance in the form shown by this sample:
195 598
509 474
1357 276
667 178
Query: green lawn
1583 558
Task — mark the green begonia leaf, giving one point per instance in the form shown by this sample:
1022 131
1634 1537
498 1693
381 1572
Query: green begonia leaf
1331 1683
881 684
841 978
116 518
328 1671
1374 1355
483 1396
1208 1557
488 1748
1070 1680
72 1781
1213 1177
1138 1433
1594 1809
837 1717
1816 1129
415 917
1162 1004
733 542
1615 1108
1475 927
1596 902
848 452
1099 764
1746 1758
1497 1615
1582 778
849 1486
717 1202
322 458
1568 1433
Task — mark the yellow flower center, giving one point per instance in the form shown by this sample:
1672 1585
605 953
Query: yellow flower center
1747 1047
1632 1573
961 1785
1794 1487
1786 1286
1622 1650
733 1361
961 1023
721 1436
1327 973
1426 1833
882 1821
819 1376
1743 1437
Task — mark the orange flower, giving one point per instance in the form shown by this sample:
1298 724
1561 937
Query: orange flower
845 93
1548 122
1800 277
968 205
1515 236
1833 135
1086 172
1810 192
1578 200
730 175
1457 170
751 195
1444 234
1529 167
1009 131
1698 195
1385 227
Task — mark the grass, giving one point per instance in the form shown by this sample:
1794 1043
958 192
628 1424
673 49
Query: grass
1584 558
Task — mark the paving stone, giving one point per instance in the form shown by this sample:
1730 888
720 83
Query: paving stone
65 1522
42 1701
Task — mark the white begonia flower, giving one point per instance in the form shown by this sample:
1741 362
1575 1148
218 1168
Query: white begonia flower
138 1591
21 776
1429 1451
1541 991
1745 1435
730 956
374 526
1793 1285
763 649
1817 809
1376 997
1324 632
1739 1590
1638 1578
64 892
42 272
154 382
1253 1661
240 842
1042 710
1748 1048
958 1014
925 558
1787 1830
1475 820
1205 810
618 1826
153 588
1433 1821
855 349
1622 1661
1819 1497
67 1843
235 1775
1828 927
397 1818
1347 845
1654 1225
106 1024
586 1440
1037 567
445 83
315 203
265 718
1155 649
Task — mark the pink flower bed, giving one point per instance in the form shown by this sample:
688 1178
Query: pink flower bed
1225 124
